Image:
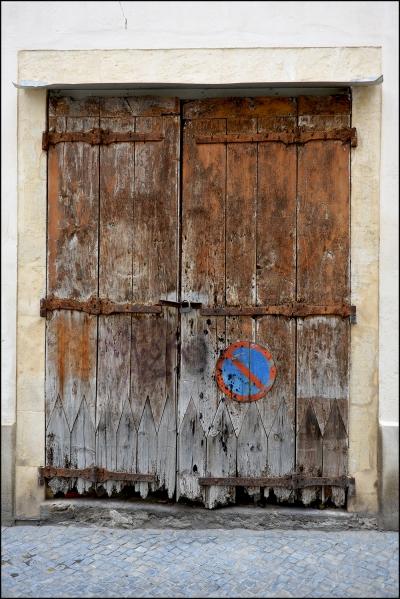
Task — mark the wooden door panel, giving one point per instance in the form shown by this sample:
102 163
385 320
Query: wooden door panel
71 337
231 258
323 265
113 234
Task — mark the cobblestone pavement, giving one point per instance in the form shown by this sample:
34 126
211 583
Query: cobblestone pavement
56 561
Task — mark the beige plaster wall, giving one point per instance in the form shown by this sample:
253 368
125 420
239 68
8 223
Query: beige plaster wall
297 65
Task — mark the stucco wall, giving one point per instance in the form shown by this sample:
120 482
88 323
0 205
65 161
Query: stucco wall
71 25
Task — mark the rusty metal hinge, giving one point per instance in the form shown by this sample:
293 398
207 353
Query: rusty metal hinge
290 310
183 306
293 481
297 135
95 305
93 474
97 136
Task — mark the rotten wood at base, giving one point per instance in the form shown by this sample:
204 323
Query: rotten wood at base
292 481
298 135
97 136
290 310
95 305
94 474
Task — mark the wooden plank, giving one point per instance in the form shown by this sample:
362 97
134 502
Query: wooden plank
323 273
252 449
72 272
238 107
309 451
192 455
117 188
221 457
146 450
58 445
126 441
275 284
324 105
203 280
334 452
166 447
241 199
146 106
323 214
155 277
83 443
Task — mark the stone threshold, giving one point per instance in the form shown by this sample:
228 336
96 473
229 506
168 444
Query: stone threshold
132 514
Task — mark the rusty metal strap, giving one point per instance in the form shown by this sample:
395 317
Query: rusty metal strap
95 305
297 135
291 310
96 136
94 474
294 481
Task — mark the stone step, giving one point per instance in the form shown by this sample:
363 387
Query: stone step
130 514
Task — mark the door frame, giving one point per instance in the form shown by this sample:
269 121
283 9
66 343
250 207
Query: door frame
206 67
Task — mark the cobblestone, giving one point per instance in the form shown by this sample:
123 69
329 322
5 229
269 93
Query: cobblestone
55 561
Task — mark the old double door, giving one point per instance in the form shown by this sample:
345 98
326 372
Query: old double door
239 208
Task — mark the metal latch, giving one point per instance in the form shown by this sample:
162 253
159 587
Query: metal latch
183 306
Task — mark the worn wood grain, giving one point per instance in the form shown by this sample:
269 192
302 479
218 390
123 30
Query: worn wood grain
83 443
240 250
126 441
58 445
334 452
117 188
309 451
323 213
72 243
203 280
221 457
146 449
166 448
238 107
192 456
252 450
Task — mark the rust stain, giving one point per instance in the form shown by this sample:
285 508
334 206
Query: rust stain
53 218
73 350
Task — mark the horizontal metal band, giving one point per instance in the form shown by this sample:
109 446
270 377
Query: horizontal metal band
289 310
298 135
94 474
95 305
294 481
96 136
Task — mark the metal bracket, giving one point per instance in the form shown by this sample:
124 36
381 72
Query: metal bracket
183 306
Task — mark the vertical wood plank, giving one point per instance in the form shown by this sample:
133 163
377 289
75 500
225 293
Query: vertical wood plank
58 445
117 187
221 457
72 272
241 201
192 455
155 277
276 284
323 277
203 280
147 449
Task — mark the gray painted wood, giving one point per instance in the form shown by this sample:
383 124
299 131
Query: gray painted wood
221 457
192 456
146 449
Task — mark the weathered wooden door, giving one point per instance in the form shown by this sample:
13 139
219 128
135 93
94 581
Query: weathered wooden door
265 251
112 255
147 289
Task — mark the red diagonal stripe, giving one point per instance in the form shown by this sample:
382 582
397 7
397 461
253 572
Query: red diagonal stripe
244 370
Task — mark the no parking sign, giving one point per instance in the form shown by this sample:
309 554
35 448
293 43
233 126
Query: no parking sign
245 371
